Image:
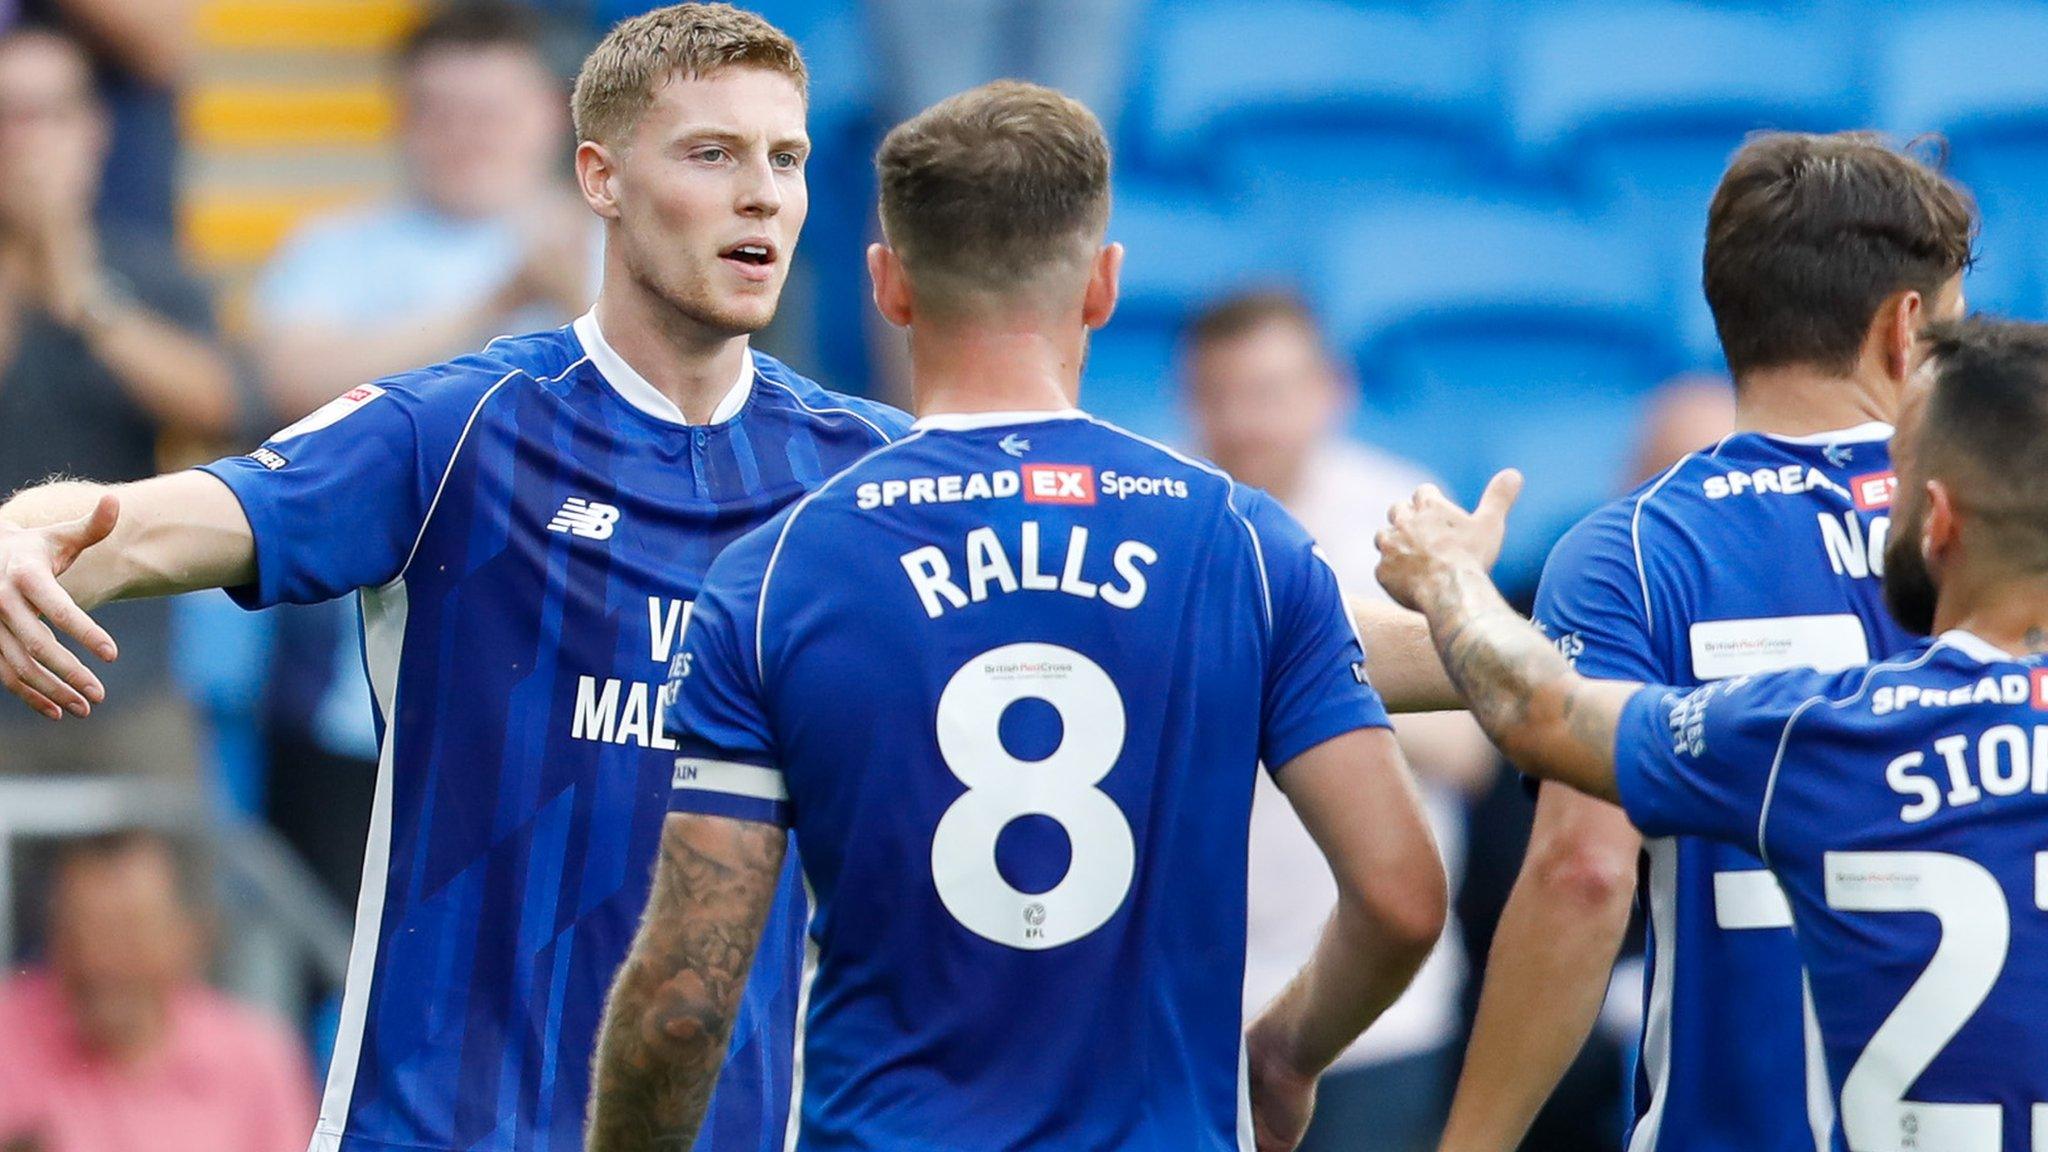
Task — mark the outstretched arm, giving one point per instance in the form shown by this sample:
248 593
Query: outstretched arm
68 547
671 1009
1548 719
1400 658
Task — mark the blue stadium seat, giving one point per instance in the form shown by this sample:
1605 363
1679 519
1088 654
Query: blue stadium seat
2012 266
1490 335
1979 75
1297 99
1639 106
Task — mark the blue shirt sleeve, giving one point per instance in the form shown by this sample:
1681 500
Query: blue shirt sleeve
1316 687
1699 762
718 717
1590 601
337 500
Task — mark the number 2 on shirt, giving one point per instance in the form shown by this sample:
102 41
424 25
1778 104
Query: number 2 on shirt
1976 929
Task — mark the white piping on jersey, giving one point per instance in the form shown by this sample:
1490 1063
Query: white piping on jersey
1635 536
793 1128
384 622
1864 433
1229 501
806 406
1657 1020
761 602
970 421
634 388
1763 852
1820 1096
1979 649
450 469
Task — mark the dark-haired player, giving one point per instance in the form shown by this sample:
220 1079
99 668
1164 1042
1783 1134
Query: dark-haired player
1825 258
1899 804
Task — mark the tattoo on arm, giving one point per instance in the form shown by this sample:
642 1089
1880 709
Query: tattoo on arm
672 1006
1546 717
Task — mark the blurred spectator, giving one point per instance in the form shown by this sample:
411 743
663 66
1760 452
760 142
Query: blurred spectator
1267 402
931 49
118 1046
105 345
485 241
141 53
1683 416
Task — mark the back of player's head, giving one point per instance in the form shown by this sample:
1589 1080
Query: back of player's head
995 194
1984 431
1809 235
621 74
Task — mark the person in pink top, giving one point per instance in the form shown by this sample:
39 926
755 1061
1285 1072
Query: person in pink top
117 1045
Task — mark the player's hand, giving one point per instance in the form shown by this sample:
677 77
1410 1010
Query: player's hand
1428 537
1282 1099
33 665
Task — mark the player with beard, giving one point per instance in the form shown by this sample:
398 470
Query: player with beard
528 527
1898 804
1825 258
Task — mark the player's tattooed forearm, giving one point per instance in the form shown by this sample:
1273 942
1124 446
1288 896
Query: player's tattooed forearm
671 1010
2037 639
1518 686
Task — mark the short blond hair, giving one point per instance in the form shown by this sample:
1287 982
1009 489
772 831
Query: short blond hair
995 190
621 74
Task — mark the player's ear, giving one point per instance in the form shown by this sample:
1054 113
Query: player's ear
596 178
892 286
1104 282
1903 317
1941 530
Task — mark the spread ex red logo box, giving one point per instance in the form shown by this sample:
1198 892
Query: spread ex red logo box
2041 689
1874 490
1059 484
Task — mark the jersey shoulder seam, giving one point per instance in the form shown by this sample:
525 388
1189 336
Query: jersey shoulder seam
1896 664
1635 535
782 537
454 455
1230 490
828 409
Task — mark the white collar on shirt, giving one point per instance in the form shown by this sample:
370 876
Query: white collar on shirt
1860 434
1976 647
968 421
634 389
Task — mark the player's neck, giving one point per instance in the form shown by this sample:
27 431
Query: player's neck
988 367
2009 613
1801 401
693 367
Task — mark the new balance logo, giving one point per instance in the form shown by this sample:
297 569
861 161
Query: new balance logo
585 518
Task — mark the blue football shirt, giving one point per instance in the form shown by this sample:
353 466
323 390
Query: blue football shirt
1759 554
529 529
1009 681
1901 806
